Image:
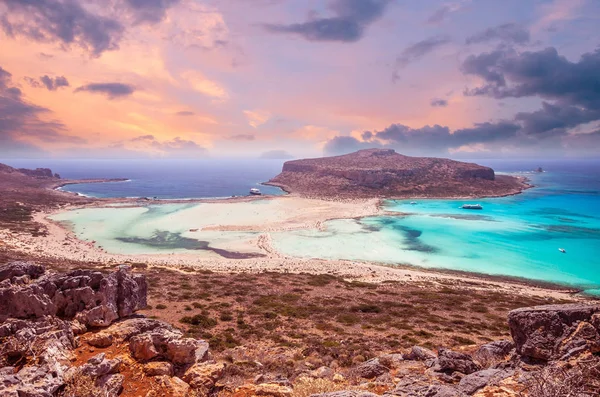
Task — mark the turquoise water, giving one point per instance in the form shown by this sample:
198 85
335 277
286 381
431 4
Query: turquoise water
513 236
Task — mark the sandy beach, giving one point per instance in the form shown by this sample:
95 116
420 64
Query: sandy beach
232 215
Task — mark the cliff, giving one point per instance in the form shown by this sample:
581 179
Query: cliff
385 173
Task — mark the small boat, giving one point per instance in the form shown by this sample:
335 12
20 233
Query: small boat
254 191
193 230
471 207
413 202
564 251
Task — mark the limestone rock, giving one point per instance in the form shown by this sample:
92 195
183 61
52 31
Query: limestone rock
158 368
539 331
419 353
168 344
370 369
91 297
100 339
142 347
322 372
111 385
98 366
203 376
451 361
173 386
263 389
480 379
19 269
499 348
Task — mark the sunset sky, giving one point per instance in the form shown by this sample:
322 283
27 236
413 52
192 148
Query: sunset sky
297 78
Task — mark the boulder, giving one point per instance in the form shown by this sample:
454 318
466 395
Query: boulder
111 385
173 386
469 384
100 339
499 349
419 353
158 368
370 369
98 366
322 372
31 381
202 377
168 344
449 361
541 332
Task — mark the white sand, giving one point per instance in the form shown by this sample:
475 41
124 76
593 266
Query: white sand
282 213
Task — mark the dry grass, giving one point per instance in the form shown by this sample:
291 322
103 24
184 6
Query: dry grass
305 387
580 380
81 386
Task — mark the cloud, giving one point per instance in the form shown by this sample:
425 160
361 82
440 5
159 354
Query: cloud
50 83
22 122
544 73
205 86
151 11
445 11
185 113
437 102
148 145
351 19
508 33
276 155
241 137
417 51
257 117
571 102
428 140
61 21
111 90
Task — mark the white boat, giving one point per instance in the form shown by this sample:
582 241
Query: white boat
472 207
564 251
413 202
254 191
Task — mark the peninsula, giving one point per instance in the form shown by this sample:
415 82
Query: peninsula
383 173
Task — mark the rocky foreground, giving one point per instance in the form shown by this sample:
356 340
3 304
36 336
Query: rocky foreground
385 173
77 334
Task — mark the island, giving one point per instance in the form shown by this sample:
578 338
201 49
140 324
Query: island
383 173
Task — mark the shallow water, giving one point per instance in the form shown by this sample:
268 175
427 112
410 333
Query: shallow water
513 236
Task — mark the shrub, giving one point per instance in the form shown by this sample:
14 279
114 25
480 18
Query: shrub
199 320
160 306
581 380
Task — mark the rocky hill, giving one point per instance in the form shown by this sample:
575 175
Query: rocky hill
77 334
385 173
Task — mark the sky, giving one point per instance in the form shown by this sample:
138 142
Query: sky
299 78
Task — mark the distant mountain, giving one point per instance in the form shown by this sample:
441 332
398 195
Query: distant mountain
385 173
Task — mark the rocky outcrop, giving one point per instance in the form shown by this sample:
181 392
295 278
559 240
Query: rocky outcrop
39 314
551 332
39 173
450 361
92 298
385 173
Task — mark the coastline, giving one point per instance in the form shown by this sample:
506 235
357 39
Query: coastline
61 243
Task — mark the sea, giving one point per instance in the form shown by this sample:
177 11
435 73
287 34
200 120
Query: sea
517 236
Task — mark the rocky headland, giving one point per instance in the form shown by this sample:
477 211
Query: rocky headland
78 334
383 173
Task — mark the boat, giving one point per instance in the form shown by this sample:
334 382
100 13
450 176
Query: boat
254 191
413 202
564 251
471 207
